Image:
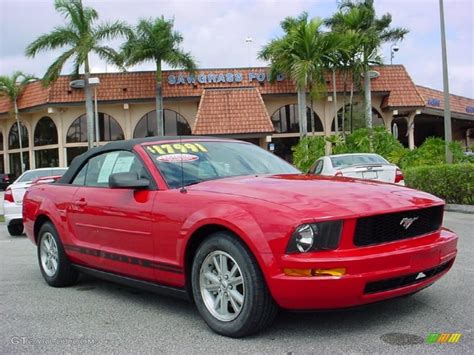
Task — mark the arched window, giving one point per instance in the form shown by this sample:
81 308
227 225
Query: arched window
174 125
45 132
285 120
2 167
109 129
355 118
13 141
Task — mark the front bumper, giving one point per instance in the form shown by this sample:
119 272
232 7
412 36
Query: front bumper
372 273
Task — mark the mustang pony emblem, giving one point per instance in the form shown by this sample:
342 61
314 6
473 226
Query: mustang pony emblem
407 222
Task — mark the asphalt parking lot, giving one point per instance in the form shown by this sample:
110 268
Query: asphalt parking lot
97 316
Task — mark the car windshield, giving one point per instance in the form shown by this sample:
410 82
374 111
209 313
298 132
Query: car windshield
35 174
356 159
194 162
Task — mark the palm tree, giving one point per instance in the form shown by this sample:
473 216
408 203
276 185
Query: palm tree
12 87
358 18
301 54
81 36
155 40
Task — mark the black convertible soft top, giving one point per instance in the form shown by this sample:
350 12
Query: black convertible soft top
79 161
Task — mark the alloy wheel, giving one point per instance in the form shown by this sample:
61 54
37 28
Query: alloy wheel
222 286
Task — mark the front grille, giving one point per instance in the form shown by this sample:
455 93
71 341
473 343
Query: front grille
390 227
391 284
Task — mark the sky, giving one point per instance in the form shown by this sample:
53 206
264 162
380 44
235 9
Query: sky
215 33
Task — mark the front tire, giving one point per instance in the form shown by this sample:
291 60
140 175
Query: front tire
54 265
229 289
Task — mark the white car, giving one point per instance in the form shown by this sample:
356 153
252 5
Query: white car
358 165
13 200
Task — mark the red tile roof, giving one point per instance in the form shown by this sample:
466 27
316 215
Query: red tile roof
435 99
393 80
232 111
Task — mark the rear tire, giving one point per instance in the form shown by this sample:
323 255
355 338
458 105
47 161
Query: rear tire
229 289
54 264
16 229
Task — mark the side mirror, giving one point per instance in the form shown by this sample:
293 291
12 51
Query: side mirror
128 181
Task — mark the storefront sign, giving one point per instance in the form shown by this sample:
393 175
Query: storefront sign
470 109
434 102
212 78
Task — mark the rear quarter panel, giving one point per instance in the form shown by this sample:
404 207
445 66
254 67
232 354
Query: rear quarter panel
52 201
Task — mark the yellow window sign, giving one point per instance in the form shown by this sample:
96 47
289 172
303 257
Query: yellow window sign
176 148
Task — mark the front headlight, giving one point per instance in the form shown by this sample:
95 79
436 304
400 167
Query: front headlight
315 236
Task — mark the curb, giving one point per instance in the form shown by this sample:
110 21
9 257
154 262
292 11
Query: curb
459 208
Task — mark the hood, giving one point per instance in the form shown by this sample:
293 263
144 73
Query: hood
323 196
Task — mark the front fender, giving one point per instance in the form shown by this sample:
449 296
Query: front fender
234 218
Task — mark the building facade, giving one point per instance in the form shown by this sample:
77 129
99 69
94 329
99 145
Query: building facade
236 103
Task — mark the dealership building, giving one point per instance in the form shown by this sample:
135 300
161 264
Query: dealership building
238 103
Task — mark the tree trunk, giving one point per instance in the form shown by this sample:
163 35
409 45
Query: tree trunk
312 109
89 106
20 136
344 107
302 112
368 107
336 125
159 100
368 100
351 99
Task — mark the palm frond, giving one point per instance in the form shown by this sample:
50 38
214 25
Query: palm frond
111 56
54 70
108 31
58 38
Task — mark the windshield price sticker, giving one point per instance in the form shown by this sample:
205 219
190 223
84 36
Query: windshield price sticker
163 149
177 158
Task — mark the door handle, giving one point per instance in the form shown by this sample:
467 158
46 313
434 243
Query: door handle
80 203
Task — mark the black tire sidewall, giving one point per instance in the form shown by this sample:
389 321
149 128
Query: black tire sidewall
59 278
251 275
15 230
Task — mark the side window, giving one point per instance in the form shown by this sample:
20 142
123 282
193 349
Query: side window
81 176
319 167
98 169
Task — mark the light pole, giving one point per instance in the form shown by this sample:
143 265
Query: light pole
93 82
248 41
447 109
393 49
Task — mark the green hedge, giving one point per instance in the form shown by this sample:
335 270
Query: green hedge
453 183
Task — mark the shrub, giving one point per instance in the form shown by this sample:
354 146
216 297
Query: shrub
453 183
431 152
307 151
383 142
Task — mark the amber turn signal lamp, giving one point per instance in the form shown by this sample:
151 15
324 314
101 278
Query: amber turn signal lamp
338 272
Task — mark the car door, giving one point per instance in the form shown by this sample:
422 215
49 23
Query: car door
113 225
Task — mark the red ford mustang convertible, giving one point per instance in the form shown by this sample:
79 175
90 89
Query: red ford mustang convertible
236 229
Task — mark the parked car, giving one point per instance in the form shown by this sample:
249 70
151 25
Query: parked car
13 199
236 229
358 165
5 180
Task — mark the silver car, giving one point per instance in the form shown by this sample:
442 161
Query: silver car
358 165
13 200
